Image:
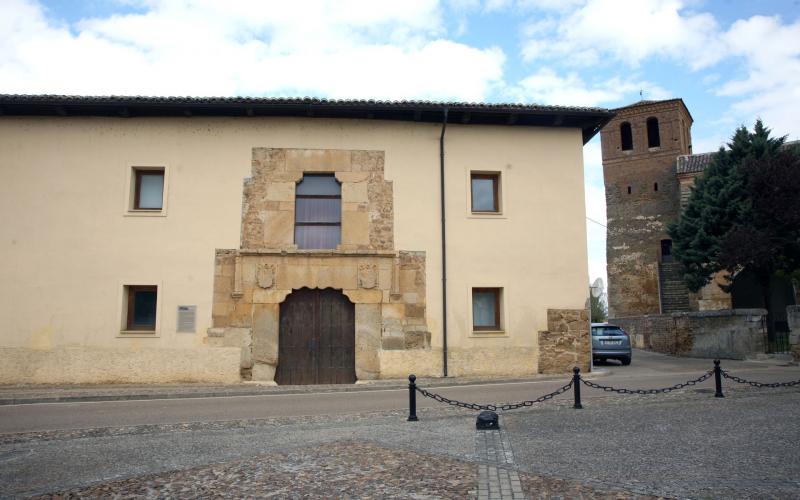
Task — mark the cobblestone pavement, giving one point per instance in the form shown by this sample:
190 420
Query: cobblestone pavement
685 444
497 478
338 470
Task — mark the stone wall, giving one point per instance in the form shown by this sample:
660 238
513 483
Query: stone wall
793 318
268 203
732 333
566 342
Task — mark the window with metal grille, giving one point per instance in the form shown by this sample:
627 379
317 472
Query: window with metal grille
318 212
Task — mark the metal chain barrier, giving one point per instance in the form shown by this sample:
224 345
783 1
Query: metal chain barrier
575 384
759 384
663 390
505 407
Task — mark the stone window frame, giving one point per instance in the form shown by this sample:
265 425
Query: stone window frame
122 313
131 176
502 212
503 312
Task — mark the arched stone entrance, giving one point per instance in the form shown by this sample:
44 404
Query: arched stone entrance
316 342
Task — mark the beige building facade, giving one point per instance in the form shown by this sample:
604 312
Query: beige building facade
184 240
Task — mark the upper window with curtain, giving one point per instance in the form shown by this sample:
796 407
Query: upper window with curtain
485 192
148 188
318 212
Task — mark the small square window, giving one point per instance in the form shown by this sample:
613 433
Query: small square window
485 192
148 189
486 309
141 308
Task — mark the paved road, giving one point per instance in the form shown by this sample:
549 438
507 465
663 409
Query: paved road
685 444
649 370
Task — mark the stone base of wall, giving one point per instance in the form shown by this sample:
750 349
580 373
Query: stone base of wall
793 319
100 365
565 344
400 364
731 333
494 362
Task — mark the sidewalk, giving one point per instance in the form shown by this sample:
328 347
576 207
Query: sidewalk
30 394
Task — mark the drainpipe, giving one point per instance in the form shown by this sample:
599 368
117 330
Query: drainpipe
444 245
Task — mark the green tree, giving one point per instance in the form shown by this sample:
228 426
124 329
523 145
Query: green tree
742 213
598 310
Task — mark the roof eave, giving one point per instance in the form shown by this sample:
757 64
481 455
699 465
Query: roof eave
589 120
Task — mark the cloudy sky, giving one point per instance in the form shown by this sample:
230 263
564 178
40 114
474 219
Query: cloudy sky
730 60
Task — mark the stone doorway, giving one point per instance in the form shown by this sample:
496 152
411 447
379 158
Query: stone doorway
316 338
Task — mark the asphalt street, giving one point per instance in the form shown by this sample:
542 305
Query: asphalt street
648 371
685 444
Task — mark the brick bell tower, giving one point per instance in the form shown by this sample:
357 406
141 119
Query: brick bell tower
640 147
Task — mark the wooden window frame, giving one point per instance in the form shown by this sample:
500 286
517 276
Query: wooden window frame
138 173
498 292
131 292
495 178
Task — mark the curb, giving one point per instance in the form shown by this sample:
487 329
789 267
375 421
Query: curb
273 390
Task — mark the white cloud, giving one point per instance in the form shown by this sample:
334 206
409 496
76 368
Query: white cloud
765 51
771 88
630 32
546 86
352 48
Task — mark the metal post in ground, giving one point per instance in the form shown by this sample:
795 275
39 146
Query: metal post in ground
412 398
576 387
718 379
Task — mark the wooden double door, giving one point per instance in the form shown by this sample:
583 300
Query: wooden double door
316 338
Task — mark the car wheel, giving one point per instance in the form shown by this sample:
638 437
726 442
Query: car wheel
626 360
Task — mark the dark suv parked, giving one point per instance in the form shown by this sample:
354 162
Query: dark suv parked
610 342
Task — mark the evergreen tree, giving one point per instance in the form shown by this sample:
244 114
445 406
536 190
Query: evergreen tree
597 302
599 311
742 213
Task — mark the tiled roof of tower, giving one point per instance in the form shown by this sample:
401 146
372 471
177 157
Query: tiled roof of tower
688 164
589 120
647 103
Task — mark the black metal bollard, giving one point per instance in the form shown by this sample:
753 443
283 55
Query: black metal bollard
718 379
576 387
412 398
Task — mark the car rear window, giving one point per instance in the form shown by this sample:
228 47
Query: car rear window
607 331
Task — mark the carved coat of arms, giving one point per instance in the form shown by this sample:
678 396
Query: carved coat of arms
265 275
